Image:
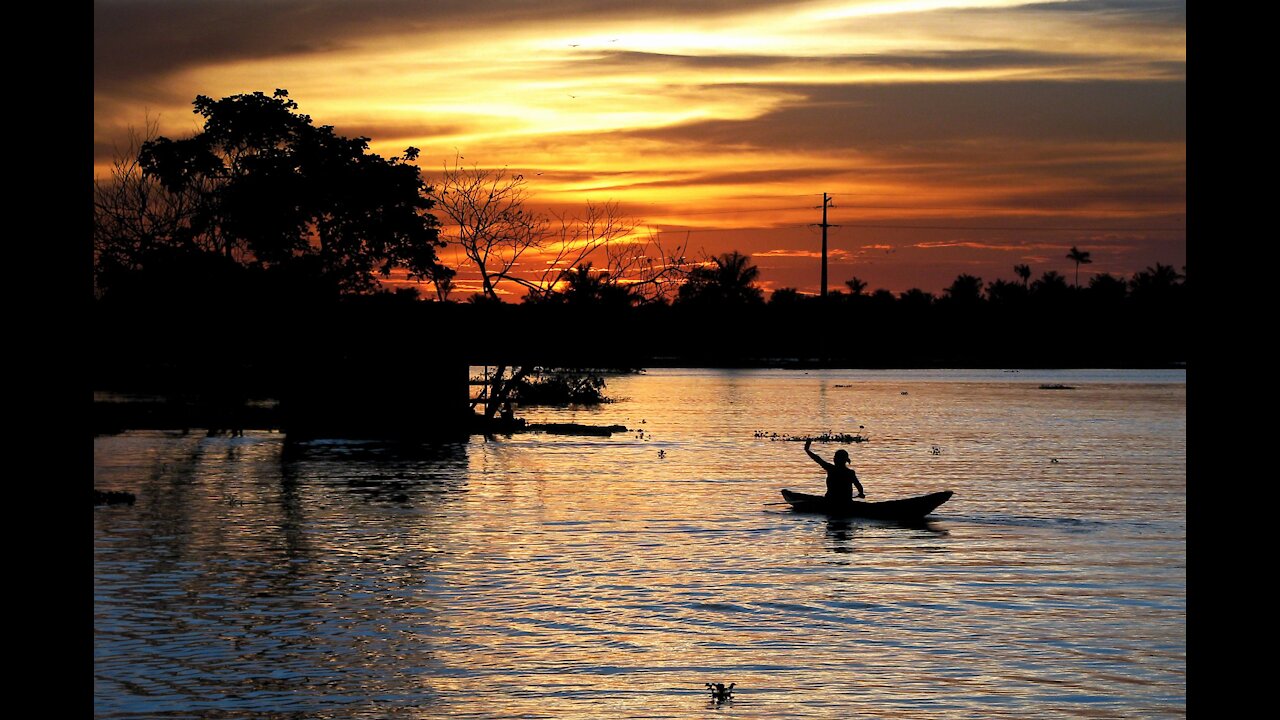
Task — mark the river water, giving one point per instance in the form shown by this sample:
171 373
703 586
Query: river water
546 576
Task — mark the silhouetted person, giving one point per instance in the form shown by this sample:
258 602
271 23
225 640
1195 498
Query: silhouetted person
840 477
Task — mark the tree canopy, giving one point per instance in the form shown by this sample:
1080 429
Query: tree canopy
265 188
725 280
965 290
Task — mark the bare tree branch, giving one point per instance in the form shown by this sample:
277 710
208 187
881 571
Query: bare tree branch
578 239
649 270
494 227
134 214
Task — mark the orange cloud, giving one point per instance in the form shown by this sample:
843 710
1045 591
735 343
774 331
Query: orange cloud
933 123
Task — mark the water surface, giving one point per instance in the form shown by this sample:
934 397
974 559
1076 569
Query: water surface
579 577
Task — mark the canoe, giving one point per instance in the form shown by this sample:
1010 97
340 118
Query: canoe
904 509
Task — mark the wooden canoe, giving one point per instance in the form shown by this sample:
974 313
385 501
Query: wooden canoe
903 509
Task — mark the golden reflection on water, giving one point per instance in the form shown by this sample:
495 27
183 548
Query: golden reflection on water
578 577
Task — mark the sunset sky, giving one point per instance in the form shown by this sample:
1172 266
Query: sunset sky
955 135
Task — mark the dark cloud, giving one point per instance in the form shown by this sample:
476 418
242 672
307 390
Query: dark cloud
397 132
1167 12
1170 68
957 60
723 178
1124 15
1129 197
137 41
853 117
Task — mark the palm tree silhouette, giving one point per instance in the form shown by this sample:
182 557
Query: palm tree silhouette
1024 272
1051 285
965 289
728 278
736 275
1155 281
856 285
1081 257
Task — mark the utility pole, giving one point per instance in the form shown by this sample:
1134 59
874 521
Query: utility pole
826 202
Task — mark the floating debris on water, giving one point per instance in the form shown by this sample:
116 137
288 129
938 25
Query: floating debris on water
1053 461
113 497
719 692
576 429
935 450
1057 386
904 392
826 437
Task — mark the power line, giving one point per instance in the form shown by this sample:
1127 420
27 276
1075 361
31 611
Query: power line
913 208
918 227
1029 228
1014 228
827 202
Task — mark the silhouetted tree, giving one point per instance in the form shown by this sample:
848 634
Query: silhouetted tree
484 300
651 271
494 225
560 386
443 283
726 280
1154 283
965 289
785 297
856 285
1080 257
137 222
916 298
586 287
577 238
496 228
1107 289
500 382
1006 293
273 190
1050 288
1024 272
883 295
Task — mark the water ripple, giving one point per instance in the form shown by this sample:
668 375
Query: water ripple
566 577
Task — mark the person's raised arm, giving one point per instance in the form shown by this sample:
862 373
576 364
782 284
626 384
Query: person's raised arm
825 465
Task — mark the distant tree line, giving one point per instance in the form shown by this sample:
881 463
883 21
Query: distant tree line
720 316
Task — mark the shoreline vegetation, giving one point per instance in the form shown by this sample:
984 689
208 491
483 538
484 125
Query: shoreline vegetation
115 412
824 437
